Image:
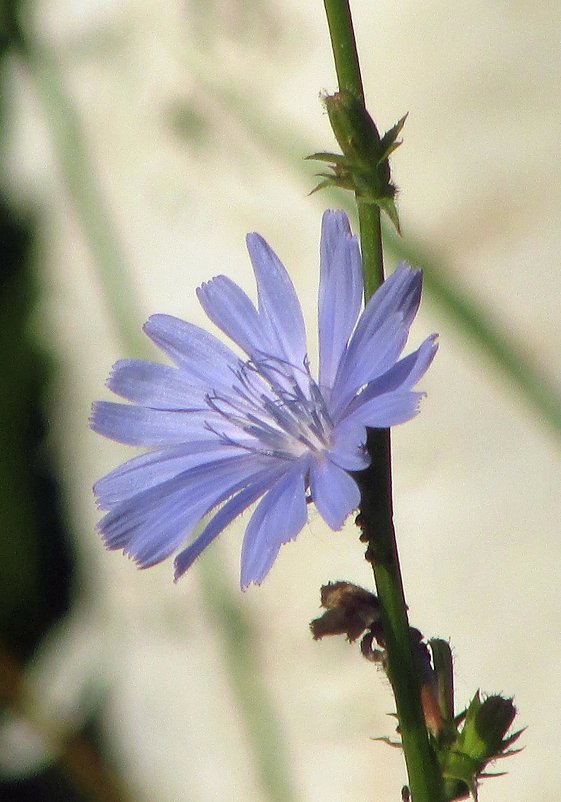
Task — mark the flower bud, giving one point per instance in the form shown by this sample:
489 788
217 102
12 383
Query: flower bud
354 129
481 740
363 167
485 726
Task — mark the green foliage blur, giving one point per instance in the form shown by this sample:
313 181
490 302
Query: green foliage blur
35 563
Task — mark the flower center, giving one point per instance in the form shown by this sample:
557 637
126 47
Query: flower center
278 405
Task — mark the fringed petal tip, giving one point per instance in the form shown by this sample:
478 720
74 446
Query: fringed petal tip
335 224
405 267
181 566
248 583
147 325
92 416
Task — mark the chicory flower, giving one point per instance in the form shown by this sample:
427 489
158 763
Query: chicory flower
227 428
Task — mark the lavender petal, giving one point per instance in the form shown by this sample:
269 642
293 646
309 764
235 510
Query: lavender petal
225 515
154 385
156 467
150 525
334 493
340 292
231 310
279 518
203 357
141 426
279 306
387 410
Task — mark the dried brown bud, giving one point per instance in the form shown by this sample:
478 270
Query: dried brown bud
350 611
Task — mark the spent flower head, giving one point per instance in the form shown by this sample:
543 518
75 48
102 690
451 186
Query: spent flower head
226 429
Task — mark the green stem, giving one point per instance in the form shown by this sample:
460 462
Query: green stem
425 781
343 44
371 247
348 76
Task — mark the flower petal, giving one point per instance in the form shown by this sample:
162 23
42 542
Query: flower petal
387 410
156 467
279 306
202 356
367 364
334 493
381 333
340 292
141 426
409 370
225 515
230 309
348 446
279 518
154 385
403 376
151 525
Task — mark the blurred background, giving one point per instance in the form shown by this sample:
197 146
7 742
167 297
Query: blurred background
139 142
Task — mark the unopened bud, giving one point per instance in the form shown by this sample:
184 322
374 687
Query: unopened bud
354 128
485 727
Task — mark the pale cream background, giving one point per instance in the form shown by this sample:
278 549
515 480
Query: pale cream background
476 475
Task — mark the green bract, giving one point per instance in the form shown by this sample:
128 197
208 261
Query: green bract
363 167
471 740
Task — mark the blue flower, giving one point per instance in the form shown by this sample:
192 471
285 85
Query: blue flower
225 430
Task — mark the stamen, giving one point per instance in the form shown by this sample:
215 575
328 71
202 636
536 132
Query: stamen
284 415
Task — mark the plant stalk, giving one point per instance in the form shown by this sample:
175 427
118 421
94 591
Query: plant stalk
376 510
